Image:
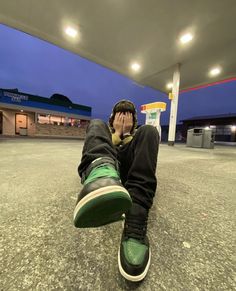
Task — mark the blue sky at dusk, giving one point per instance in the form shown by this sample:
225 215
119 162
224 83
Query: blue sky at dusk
37 67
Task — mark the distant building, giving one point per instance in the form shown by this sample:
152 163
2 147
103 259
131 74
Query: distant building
26 114
223 125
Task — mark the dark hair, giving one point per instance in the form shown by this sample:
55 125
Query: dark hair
124 106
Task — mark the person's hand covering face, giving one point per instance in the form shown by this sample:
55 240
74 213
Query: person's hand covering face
118 123
128 123
123 123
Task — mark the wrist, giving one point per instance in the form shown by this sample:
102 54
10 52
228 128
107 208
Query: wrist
117 133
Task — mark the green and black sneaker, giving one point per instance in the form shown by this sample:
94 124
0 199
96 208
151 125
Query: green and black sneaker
134 255
103 198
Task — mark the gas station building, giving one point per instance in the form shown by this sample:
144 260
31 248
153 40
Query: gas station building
26 114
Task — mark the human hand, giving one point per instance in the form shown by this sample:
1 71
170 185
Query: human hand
128 123
118 123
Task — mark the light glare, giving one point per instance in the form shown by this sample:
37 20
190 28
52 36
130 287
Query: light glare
169 86
233 128
186 38
215 71
135 67
72 32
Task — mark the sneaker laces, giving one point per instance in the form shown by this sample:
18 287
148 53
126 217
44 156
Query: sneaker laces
135 227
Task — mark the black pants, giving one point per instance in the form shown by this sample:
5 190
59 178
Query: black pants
137 159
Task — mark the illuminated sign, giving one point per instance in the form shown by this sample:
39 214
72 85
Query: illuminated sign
15 97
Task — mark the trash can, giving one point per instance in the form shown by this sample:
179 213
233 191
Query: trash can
195 137
23 131
200 138
208 138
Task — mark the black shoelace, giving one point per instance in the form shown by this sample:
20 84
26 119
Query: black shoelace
134 228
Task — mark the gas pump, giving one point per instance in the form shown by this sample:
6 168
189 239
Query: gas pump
153 113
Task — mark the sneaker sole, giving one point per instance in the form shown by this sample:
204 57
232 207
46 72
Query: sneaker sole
130 277
102 206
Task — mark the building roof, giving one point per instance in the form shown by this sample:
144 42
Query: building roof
208 117
12 97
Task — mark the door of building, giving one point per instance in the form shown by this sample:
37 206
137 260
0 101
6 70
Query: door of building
1 122
21 122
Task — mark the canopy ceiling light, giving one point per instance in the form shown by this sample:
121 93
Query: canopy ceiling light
135 67
169 85
186 38
215 71
71 31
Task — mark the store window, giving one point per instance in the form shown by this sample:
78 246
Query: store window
56 120
223 130
79 123
61 120
50 119
43 119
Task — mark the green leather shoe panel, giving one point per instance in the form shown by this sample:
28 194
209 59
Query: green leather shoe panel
134 251
101 171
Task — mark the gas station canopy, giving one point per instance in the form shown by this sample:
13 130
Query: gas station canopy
117 33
